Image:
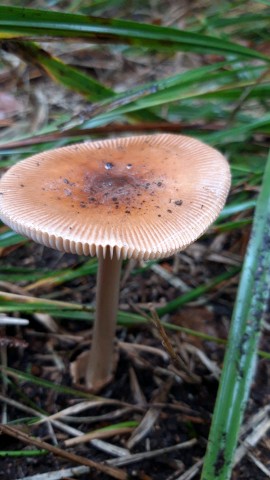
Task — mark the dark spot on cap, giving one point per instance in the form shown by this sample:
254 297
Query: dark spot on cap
82 204
68 182
127 211
22 185
159 184
202 206
114 199
67 192
169 211
178 202
108 165
159 215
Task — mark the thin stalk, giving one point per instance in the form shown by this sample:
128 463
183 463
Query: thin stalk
100 361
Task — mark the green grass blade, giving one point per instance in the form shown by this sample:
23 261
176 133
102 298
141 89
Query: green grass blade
45 277
22 453
70 77
240 359
16 22
211 81
233 209
196 292
27 377
9 238
229 135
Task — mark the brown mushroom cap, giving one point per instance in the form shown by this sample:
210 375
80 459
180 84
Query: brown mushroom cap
141 197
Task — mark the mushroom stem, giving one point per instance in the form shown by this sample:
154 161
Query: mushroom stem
100 362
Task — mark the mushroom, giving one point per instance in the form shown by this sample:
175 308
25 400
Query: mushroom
141 197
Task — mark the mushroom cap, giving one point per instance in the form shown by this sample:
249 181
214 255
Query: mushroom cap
140 197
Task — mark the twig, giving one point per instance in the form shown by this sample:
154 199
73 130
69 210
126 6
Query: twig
113 450
23 437
175 357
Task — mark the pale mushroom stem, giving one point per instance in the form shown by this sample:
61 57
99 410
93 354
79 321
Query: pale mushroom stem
100 362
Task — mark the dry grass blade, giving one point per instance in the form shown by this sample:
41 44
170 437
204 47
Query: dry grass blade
118 413
5 320
143 348
97 434
170 278
23 437
137 457
79 407
192 471
259 430
260 465
28 299
58 474
151 416
209 364
135 388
